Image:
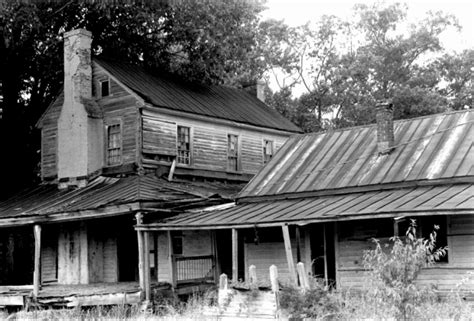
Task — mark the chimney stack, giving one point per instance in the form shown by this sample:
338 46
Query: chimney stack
80 136
384 117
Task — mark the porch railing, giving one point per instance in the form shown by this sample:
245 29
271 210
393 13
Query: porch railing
188 269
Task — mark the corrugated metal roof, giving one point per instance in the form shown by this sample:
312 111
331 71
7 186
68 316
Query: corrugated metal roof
422 200
47 199
214 101
433 147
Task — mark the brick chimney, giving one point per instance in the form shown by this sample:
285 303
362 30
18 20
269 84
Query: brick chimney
80 134
384 117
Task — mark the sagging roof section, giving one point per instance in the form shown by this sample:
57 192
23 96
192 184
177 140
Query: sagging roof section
427 148
213 101
47 199
416 201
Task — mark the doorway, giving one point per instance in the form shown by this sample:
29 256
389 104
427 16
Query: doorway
322 252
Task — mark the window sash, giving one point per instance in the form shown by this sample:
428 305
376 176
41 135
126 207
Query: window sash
233 152
114 144
184 145
267 151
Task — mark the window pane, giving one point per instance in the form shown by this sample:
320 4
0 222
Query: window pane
114 148
232 152
184 145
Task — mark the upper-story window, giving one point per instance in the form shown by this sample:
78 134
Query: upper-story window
267 150
114 144
232 152
104 88
184 145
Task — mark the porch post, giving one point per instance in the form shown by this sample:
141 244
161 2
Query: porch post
336 252
146 261
215 258
289 254
235 256
298 245
141 279
325 256
37 268
171 259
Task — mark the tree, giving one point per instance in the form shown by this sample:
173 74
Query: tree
205 41
346 67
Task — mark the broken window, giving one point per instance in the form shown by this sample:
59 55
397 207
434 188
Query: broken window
177 242
232 152
184 145
104 88
114 144
267 151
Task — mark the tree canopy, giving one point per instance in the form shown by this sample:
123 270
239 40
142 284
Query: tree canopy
345 66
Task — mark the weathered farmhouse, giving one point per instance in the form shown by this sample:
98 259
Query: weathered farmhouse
117 143
323 197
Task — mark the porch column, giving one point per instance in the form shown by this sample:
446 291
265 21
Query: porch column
174 282
215 258
141 279
235 255
146 261
289 254
37 268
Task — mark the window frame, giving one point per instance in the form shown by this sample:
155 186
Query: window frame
100 91
272 142
190 149
106 145
237 156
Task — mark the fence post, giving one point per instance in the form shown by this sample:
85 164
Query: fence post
223 291
274 278
303 278
253 276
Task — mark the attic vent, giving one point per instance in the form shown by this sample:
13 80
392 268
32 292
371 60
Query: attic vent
104 88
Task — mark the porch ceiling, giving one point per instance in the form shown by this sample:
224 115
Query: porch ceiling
415 201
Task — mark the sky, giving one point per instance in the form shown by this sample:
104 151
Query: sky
297 12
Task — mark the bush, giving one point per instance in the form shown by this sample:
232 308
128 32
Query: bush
392 272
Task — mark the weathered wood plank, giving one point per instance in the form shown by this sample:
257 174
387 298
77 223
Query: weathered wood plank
37 264
289 255
235 255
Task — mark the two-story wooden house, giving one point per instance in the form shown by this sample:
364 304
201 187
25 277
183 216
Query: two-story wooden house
118 143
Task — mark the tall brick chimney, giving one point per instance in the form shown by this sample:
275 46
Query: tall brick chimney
384 117
80 135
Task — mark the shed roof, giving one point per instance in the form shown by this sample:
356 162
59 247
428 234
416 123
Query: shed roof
46 200
213 101
415 201
429 148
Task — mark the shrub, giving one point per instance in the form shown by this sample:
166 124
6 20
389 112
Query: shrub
393 269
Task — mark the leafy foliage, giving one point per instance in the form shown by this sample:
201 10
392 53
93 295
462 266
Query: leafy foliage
345 67
394 269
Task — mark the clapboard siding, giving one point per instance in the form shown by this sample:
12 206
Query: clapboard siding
110 260
49 138
128 117
265 255
209 142
49 254
445 276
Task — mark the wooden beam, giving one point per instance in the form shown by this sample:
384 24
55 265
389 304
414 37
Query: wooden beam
146 262
235 256
215 256
336 252
37 267
289 254
171 261
326 281
298 244
140 253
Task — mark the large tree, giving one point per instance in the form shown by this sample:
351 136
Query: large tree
345 67
205 41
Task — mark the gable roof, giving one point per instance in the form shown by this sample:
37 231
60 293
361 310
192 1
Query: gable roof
213 101
427 148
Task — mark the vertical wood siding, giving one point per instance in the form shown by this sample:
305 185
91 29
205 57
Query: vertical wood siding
72 254
209 142
49 254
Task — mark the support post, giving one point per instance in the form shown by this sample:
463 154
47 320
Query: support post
37 268
274 278
141 279
298 244
325 244
170 260
146 261
336 252
303 277
223 292
289 254
215 257
235 256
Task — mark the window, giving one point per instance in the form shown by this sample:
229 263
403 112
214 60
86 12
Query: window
184 145
104 88
232 152
177 242
114 144
267 151
425 226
